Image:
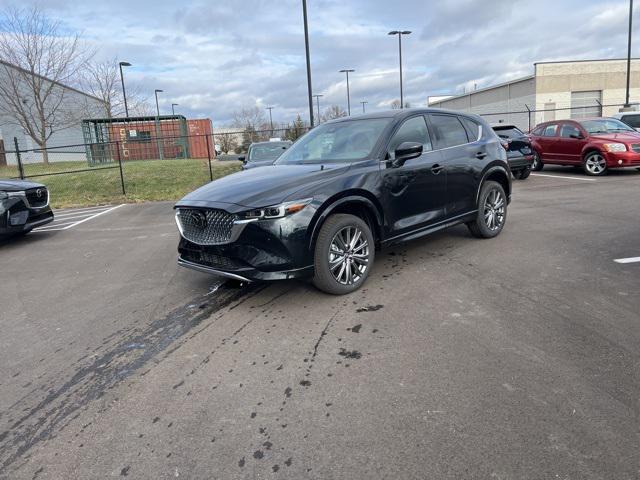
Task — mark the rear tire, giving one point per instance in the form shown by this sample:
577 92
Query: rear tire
522 174
344 254
537 164
595 164
492 211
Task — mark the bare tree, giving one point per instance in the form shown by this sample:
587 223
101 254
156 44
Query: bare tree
227 141
39 58
334 111
250 117
102 80
395 105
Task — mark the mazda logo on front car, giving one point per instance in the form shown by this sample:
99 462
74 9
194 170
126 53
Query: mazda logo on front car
199 219
39 193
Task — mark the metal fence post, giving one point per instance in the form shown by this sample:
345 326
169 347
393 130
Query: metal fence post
209 157
528 115
120 167
18 159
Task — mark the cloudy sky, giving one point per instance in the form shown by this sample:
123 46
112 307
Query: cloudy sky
213 57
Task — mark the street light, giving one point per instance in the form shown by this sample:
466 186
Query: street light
124 93
347 71
317 97
400 33
173 110
627 104
306 46
156 92
363 104
270 119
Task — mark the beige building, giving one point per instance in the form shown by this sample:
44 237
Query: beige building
556 90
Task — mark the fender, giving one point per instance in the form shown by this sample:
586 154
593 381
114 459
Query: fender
495 168
341 201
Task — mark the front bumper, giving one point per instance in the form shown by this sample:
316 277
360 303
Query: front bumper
17 217
622 159
275 249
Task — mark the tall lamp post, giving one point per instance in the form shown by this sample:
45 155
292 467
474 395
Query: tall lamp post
124 93
270 119
158 132
626 103
347 71
317 97
400 33
363 104
173 109
306 46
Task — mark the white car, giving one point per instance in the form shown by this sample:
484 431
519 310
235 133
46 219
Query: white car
630 118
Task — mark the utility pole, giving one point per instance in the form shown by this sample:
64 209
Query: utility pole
626 103
270 119
317 97
347 71
124 93
173 110
363 104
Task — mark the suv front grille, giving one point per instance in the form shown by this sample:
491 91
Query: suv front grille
37 197
211 260
635 147
206 226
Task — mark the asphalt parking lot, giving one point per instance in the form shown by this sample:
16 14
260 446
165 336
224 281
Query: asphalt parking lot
460 358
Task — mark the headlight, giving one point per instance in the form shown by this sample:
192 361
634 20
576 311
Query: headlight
4 195
276 211
615 147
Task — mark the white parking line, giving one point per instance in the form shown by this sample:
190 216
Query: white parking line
66 213
627 260
65 225
562 176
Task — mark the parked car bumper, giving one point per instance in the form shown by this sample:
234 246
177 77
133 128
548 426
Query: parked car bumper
622 159
16 217
520 162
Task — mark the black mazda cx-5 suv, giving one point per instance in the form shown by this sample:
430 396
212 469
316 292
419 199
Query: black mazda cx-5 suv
343 190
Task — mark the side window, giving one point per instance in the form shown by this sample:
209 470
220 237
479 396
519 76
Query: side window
412 130
567 130
550 131
473 129
538 131
448 131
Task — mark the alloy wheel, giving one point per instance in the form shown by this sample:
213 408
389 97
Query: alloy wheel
494 209
596 164
349 255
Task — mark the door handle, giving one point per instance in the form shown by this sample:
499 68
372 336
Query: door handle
436 169
481 155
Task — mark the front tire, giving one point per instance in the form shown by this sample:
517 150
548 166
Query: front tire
595 164
344 254
492 211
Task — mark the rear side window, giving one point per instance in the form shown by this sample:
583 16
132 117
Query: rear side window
412 130
473 129
631 120
448 131
510 132
567 130
550 131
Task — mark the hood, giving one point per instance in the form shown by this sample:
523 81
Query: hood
17 185
628 137
262 163
260 187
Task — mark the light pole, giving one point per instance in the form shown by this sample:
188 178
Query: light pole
158 132
270 119
124 93
347 71
306 46
173 110
400 33
363 104
627 104
317 97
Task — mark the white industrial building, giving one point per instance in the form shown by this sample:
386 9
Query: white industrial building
556 90
75 106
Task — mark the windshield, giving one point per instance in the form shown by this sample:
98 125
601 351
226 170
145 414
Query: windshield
268 151
346 141
605 125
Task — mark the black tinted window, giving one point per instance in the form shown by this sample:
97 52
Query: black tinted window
632 120
412 130
550 131
473 129
567 130
510 132
449 131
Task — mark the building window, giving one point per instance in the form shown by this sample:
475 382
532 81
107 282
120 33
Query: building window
586 104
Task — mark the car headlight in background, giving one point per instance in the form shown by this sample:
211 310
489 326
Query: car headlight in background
276 211
615 147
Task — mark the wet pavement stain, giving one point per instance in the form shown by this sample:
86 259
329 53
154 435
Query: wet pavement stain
258 454
125 471
355 329
349 354
241 462
369 308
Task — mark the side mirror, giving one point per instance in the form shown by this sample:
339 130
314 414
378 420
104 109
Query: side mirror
406 151
578 136
242 158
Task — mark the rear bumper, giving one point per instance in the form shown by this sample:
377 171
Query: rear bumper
520 162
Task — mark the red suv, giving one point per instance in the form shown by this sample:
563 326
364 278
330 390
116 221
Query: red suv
595 144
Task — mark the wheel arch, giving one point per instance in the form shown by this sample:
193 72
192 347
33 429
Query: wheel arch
496 174
360 203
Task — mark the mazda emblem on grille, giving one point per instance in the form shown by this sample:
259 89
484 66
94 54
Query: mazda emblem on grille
39 193
199 219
